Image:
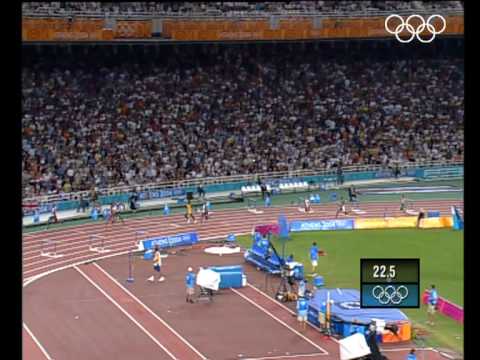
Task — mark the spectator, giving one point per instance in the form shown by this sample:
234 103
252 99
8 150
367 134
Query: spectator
234 8
255 113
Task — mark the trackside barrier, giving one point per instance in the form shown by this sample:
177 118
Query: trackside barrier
99 241
446 307
359 223
314 225
164 242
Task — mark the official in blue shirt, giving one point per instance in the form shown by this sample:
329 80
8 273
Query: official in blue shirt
411 355
432 304
190 283
302 310
314 258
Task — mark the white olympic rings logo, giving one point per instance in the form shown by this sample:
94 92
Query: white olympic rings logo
415 32
389 294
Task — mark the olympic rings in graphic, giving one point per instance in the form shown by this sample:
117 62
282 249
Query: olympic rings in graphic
415 32
390 295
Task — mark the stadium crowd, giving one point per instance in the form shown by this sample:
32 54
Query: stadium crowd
232 8
240 113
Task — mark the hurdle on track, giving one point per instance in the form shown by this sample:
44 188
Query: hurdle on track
49 249
252 206
355 208
138 234
100 240
130 278
301 205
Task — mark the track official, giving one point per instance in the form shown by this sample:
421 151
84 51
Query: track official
314 257
190 284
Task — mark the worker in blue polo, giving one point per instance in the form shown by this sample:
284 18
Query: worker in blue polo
302 310
432 304
411 355
190 283
314 258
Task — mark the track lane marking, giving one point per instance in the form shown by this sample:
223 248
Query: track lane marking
37 342
125 312
324 352
150 311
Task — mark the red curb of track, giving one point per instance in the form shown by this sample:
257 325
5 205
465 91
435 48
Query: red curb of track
156 328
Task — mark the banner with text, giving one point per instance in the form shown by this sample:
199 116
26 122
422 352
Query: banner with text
164 242
314 225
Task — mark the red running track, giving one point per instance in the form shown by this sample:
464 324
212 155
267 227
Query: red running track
156 328
73 244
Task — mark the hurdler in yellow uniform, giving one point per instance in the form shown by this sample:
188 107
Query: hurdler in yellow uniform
157 264
189 213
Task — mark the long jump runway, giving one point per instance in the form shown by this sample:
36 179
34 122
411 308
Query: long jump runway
88 311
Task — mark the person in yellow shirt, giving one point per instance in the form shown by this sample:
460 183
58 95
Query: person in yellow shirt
189 213
157 264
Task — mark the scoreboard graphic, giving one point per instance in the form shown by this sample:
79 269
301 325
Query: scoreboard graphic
390 283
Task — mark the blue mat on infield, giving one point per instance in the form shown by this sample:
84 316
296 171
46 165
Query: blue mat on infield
346 307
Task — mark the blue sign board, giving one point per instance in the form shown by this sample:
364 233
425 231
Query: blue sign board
170 241
314 225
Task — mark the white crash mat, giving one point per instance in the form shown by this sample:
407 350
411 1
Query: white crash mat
353 347
208 279
222 250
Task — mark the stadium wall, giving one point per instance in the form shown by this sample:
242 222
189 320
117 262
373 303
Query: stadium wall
299 28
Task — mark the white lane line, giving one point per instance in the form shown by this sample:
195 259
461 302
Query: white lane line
31 279
285 307
122 250
76 242
155 225
118 241
325 352
149 310
286 356
42 349
155 230
380 206
125 312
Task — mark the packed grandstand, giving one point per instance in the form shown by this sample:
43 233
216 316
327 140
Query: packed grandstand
232 110
232 8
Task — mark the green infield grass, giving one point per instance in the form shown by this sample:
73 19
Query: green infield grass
441 263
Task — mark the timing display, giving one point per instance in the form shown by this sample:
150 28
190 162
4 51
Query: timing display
398 270
390 283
